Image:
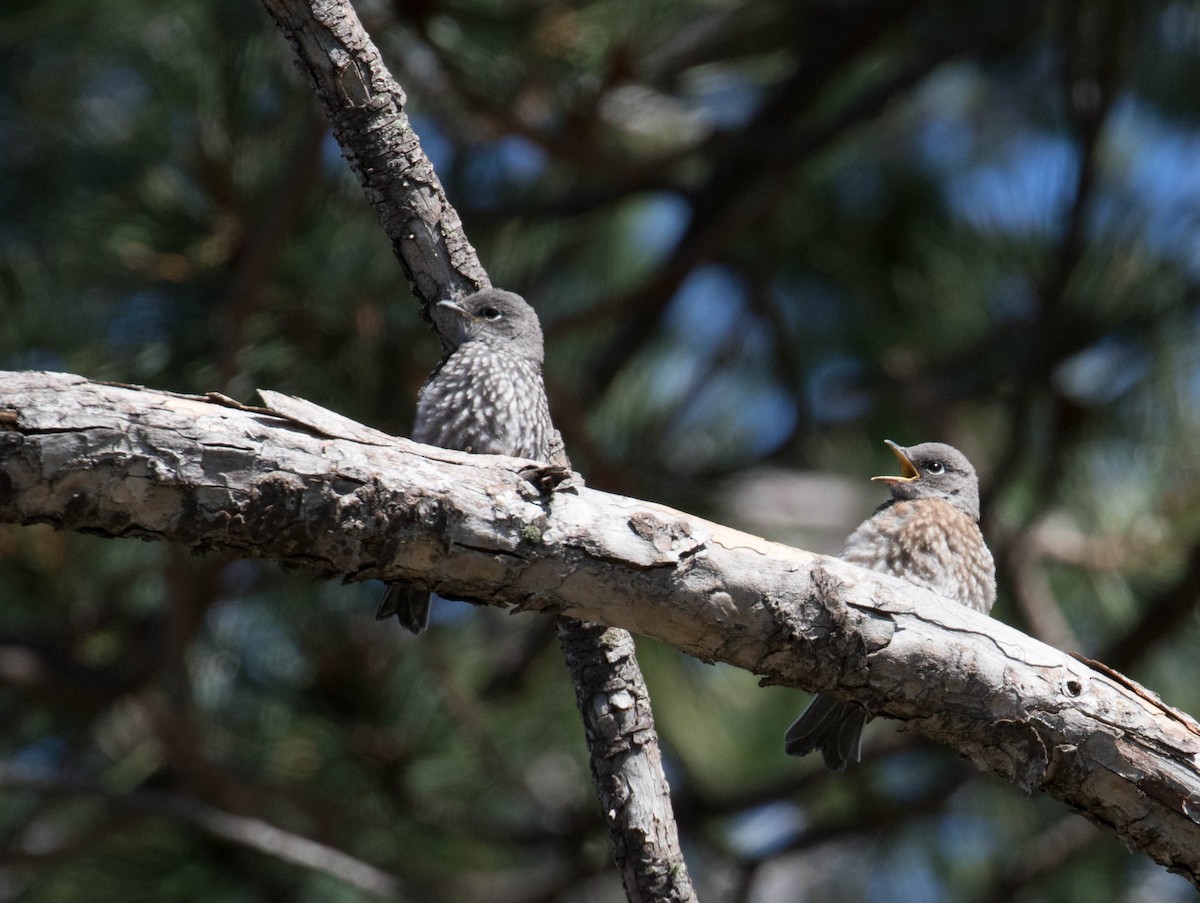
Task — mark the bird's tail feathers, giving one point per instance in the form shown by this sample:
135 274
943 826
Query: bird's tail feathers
832 726
409 604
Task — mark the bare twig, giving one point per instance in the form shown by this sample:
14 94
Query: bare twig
1040 856
252 833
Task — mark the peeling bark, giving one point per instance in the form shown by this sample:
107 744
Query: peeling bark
366 110
124 461
365 107
243 489
613 700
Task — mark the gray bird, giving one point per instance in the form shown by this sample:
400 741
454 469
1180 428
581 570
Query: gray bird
486 396
928 534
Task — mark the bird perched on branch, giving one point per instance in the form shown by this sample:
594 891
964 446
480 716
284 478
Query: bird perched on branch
927 534
486 396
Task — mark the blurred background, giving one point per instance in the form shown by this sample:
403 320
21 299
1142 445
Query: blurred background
762 236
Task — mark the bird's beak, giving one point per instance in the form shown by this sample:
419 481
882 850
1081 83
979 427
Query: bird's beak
908 473
454 306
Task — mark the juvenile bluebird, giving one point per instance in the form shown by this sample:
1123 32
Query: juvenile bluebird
486 396
927 533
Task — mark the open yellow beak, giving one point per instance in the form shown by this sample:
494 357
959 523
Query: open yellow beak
908 473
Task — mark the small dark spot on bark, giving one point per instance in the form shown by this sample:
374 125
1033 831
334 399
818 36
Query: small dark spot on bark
76 509
1191 808
6 488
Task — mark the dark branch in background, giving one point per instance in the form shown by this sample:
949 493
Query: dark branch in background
745 185
1162 615
264 231
365 107
1031 590
732 192
252 833
1040 856
1090 84
873 817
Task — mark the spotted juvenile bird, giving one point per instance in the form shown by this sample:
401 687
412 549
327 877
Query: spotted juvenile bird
927 534
486 396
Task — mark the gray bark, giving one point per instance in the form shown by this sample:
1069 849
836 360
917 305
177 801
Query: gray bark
365 107
124 461
627 763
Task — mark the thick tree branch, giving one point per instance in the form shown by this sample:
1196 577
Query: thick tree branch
124 461
614 702
365 107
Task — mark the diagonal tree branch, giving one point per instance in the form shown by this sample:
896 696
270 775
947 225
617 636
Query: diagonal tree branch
321 491
365 107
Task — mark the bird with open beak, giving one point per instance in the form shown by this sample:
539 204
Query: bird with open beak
928 534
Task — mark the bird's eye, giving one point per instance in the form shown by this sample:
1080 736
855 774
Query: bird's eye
935 467
490 313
